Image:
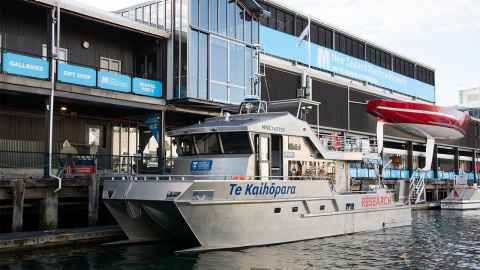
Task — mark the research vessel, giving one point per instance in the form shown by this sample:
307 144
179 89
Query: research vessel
255 178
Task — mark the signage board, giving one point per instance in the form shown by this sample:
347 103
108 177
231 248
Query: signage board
26 65
114 81
147 87
284 45
201 165
77 75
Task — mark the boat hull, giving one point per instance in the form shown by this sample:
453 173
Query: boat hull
224 221
424 120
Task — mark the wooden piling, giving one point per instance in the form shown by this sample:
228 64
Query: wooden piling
93 200
49 211
18 199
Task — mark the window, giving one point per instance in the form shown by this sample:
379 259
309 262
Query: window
203 14
194 11
62 53
295 209
139 14
219 59
350 206
277 210
213 15
237 72
236 143
424 75
379 57
185 146
239 22
153 15
222 17
108 64
231 10
202 65
193 67
349 46
207 144
403 67
322 207
248 28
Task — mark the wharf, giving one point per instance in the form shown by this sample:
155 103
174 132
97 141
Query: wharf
41 239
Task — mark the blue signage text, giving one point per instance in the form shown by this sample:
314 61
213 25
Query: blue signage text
262 189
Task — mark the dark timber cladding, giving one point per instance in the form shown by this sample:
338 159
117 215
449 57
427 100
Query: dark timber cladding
289 22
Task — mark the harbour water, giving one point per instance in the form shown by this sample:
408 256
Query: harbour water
437 240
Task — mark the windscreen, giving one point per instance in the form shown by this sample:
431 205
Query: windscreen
232 143
236 143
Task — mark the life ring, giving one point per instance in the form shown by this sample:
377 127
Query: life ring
336 142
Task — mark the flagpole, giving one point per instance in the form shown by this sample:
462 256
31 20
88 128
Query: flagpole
309 45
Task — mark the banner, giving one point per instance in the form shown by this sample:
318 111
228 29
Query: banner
114 81
77 75
147 87
26 66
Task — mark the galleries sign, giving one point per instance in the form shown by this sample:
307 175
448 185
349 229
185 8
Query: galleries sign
22 65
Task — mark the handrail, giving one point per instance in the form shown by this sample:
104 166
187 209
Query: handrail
129 177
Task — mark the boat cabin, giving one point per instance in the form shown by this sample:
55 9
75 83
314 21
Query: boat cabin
256 144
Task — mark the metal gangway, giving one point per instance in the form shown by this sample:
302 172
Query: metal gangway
417 191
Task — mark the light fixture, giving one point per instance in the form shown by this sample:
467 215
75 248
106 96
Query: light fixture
85 44
63 108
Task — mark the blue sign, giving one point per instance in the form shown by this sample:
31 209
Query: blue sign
147 87
152 124
285 46
114 81
77 75
201 165
25 65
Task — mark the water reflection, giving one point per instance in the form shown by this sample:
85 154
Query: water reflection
438 239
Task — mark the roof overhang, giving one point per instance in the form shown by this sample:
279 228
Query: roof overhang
110 18
256 8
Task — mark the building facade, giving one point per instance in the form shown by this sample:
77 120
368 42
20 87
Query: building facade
469 97
123 79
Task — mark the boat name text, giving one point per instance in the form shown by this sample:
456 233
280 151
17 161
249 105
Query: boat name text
262 189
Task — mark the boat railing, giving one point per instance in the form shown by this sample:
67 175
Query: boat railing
142 178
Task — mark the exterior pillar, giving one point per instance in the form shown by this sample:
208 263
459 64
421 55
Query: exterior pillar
46 134
161 141
49 211
93 200
456 161
474 165
435 162
410 158
18 199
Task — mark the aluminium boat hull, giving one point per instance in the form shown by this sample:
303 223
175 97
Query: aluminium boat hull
209 215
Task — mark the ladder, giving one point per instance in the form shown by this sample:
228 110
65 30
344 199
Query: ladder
417 193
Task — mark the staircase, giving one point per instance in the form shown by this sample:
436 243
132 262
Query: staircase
416 193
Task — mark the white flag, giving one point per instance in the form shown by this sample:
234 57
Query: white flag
304 34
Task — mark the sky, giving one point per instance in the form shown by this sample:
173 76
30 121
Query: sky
442 34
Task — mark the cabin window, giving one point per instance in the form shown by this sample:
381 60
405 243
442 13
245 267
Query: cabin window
277 210
350 206
208 144
322 207
185 146
295 209
236 143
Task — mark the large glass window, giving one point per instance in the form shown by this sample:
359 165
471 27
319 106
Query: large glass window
219 61
203 15
239 22
203 66
255 32
231 7
222 17
248 28
194 11
213 15
237 72
193 68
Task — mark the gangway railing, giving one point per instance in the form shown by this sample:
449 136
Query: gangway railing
417 191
